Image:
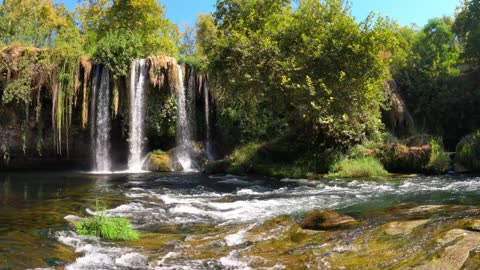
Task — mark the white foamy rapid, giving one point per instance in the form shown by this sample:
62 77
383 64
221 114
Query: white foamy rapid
251 201
138 85
100 255
184 126
100 124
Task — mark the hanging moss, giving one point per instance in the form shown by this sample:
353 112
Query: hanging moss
87 70
115 98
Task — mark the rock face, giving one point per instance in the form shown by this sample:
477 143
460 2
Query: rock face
457 245
327 220
474 225
403 227
159 162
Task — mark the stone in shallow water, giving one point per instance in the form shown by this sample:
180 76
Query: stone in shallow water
159 162
326 219
457 244
403 227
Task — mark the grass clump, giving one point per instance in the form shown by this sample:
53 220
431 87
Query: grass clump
362 167
108 228
439 160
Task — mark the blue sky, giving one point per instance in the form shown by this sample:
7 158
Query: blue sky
404 12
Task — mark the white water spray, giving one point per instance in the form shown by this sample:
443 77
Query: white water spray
208 146
138 85
184 130
100 124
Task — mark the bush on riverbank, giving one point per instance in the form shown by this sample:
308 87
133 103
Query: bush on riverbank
468 152
278 158
108 228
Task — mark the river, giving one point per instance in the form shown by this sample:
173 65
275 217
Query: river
191 220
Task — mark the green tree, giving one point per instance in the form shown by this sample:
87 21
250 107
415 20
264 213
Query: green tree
283 69
467 28
145 18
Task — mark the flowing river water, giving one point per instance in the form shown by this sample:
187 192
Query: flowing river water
195 221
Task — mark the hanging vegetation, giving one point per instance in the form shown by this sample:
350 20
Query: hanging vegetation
162 68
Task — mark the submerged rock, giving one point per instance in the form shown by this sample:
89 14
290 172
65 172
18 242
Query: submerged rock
159 162
403 227
326 220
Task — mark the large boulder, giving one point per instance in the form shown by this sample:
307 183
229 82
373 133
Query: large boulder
327 220
457 246
159 162
403 227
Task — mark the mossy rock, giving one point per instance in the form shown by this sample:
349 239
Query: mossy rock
399 158
327 220
468 152
159 162
403 227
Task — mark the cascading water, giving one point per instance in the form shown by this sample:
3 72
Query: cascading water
100 128
208 146
184 129
138 77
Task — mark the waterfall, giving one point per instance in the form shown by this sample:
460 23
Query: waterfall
184 128
100 124
208 146
138 84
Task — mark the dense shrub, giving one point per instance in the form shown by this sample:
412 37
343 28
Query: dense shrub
468 152
278 158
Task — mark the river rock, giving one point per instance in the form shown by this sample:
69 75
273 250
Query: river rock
458 244
403 227
326 220
159 162
474 225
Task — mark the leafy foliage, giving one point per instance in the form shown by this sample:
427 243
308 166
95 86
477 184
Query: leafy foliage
117 49
467 28
439 160
468 151
277 69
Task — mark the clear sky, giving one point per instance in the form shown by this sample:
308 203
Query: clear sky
404 12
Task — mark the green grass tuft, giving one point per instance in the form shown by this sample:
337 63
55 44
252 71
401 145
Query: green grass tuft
439 160
358 167
108 228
